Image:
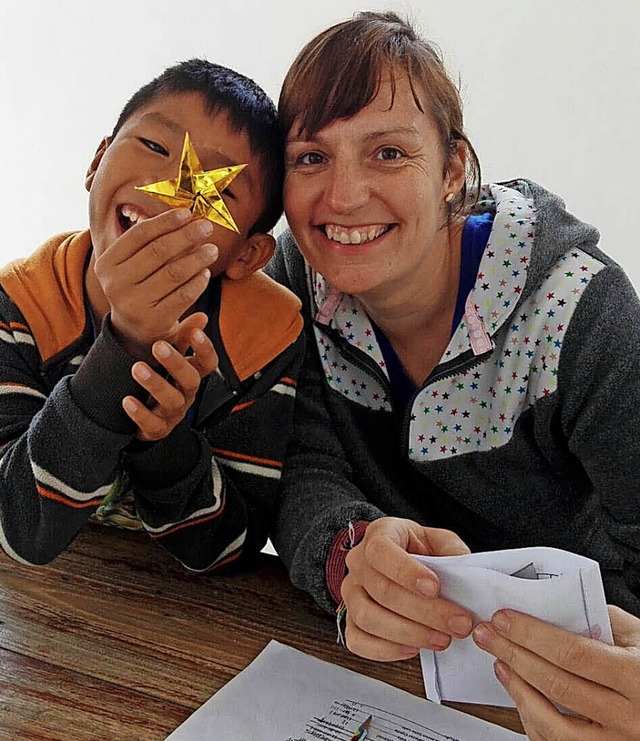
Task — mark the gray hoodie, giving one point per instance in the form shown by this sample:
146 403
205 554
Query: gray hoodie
526 433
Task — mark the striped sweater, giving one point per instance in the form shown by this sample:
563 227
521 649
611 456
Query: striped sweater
205 492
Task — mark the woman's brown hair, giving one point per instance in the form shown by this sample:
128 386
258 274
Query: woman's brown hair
339 72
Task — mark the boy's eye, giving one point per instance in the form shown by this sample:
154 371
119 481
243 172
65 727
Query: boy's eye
154 146
390 153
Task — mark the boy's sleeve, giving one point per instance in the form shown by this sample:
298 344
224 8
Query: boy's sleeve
209 497
60 447
318 498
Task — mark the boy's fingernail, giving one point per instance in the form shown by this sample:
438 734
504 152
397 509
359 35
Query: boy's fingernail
142 372
162 350
199 337
205 227
427 587
482 636
210 251
183 214
501 621
129 405
460 625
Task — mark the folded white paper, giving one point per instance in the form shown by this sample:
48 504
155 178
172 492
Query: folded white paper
560 587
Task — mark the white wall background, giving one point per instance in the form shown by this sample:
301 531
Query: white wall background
551 89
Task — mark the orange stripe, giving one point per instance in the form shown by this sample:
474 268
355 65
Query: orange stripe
49 494
249 458
242 406
182 525
232 557
14 325
289 381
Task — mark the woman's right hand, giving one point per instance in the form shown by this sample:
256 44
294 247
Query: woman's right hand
393 607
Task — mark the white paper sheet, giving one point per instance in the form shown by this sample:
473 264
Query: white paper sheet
563 588
285 695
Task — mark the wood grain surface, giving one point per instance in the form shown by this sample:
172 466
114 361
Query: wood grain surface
115 640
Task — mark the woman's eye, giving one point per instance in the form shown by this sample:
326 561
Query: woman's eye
311 158
154 147
390 153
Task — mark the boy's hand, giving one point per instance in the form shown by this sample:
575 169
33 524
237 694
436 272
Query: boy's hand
172 397
152 274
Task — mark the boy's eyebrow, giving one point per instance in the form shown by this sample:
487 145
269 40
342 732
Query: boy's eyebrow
160 118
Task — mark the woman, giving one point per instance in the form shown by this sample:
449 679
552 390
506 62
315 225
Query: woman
472 354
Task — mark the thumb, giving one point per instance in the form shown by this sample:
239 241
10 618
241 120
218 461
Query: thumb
625 627
431 541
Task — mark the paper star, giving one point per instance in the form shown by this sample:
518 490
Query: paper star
197 190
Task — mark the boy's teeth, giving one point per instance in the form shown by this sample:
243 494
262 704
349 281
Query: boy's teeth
353 236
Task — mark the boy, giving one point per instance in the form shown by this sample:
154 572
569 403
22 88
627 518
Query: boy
109 379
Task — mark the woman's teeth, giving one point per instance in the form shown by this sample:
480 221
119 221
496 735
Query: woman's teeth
358 235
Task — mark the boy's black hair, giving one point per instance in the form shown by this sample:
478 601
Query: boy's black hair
250 111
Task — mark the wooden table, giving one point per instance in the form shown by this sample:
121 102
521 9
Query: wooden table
115 640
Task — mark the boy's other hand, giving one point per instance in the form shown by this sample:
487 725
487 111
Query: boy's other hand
152 274
171 397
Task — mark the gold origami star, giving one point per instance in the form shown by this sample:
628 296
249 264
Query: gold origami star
197 190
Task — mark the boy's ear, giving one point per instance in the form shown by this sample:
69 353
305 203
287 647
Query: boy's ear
91 172
255 254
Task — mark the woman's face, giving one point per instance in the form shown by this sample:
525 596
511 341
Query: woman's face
364 197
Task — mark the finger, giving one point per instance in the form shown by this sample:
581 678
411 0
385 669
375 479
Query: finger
158 240
375 648
383 556
587 698
184 378
579 655
171 399
182 298
197 320
205 358
625 627
540 718
150 426
178 271
393 625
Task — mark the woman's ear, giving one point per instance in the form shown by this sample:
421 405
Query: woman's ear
456 168
255 254
97 157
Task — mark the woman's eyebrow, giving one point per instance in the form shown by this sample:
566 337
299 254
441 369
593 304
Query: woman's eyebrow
404 131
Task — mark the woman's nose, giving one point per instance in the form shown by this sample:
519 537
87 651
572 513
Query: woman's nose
346 188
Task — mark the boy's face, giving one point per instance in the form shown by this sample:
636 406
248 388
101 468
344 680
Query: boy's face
148 149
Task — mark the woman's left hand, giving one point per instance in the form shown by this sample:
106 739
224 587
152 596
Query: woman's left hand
539 663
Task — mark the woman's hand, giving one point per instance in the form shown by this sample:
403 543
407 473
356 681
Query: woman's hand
393 608
539 663
172 396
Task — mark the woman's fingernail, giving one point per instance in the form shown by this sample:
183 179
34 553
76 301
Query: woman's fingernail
501 621
199 337
502 672
482 636
439 641
460 625
427 587
162 350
